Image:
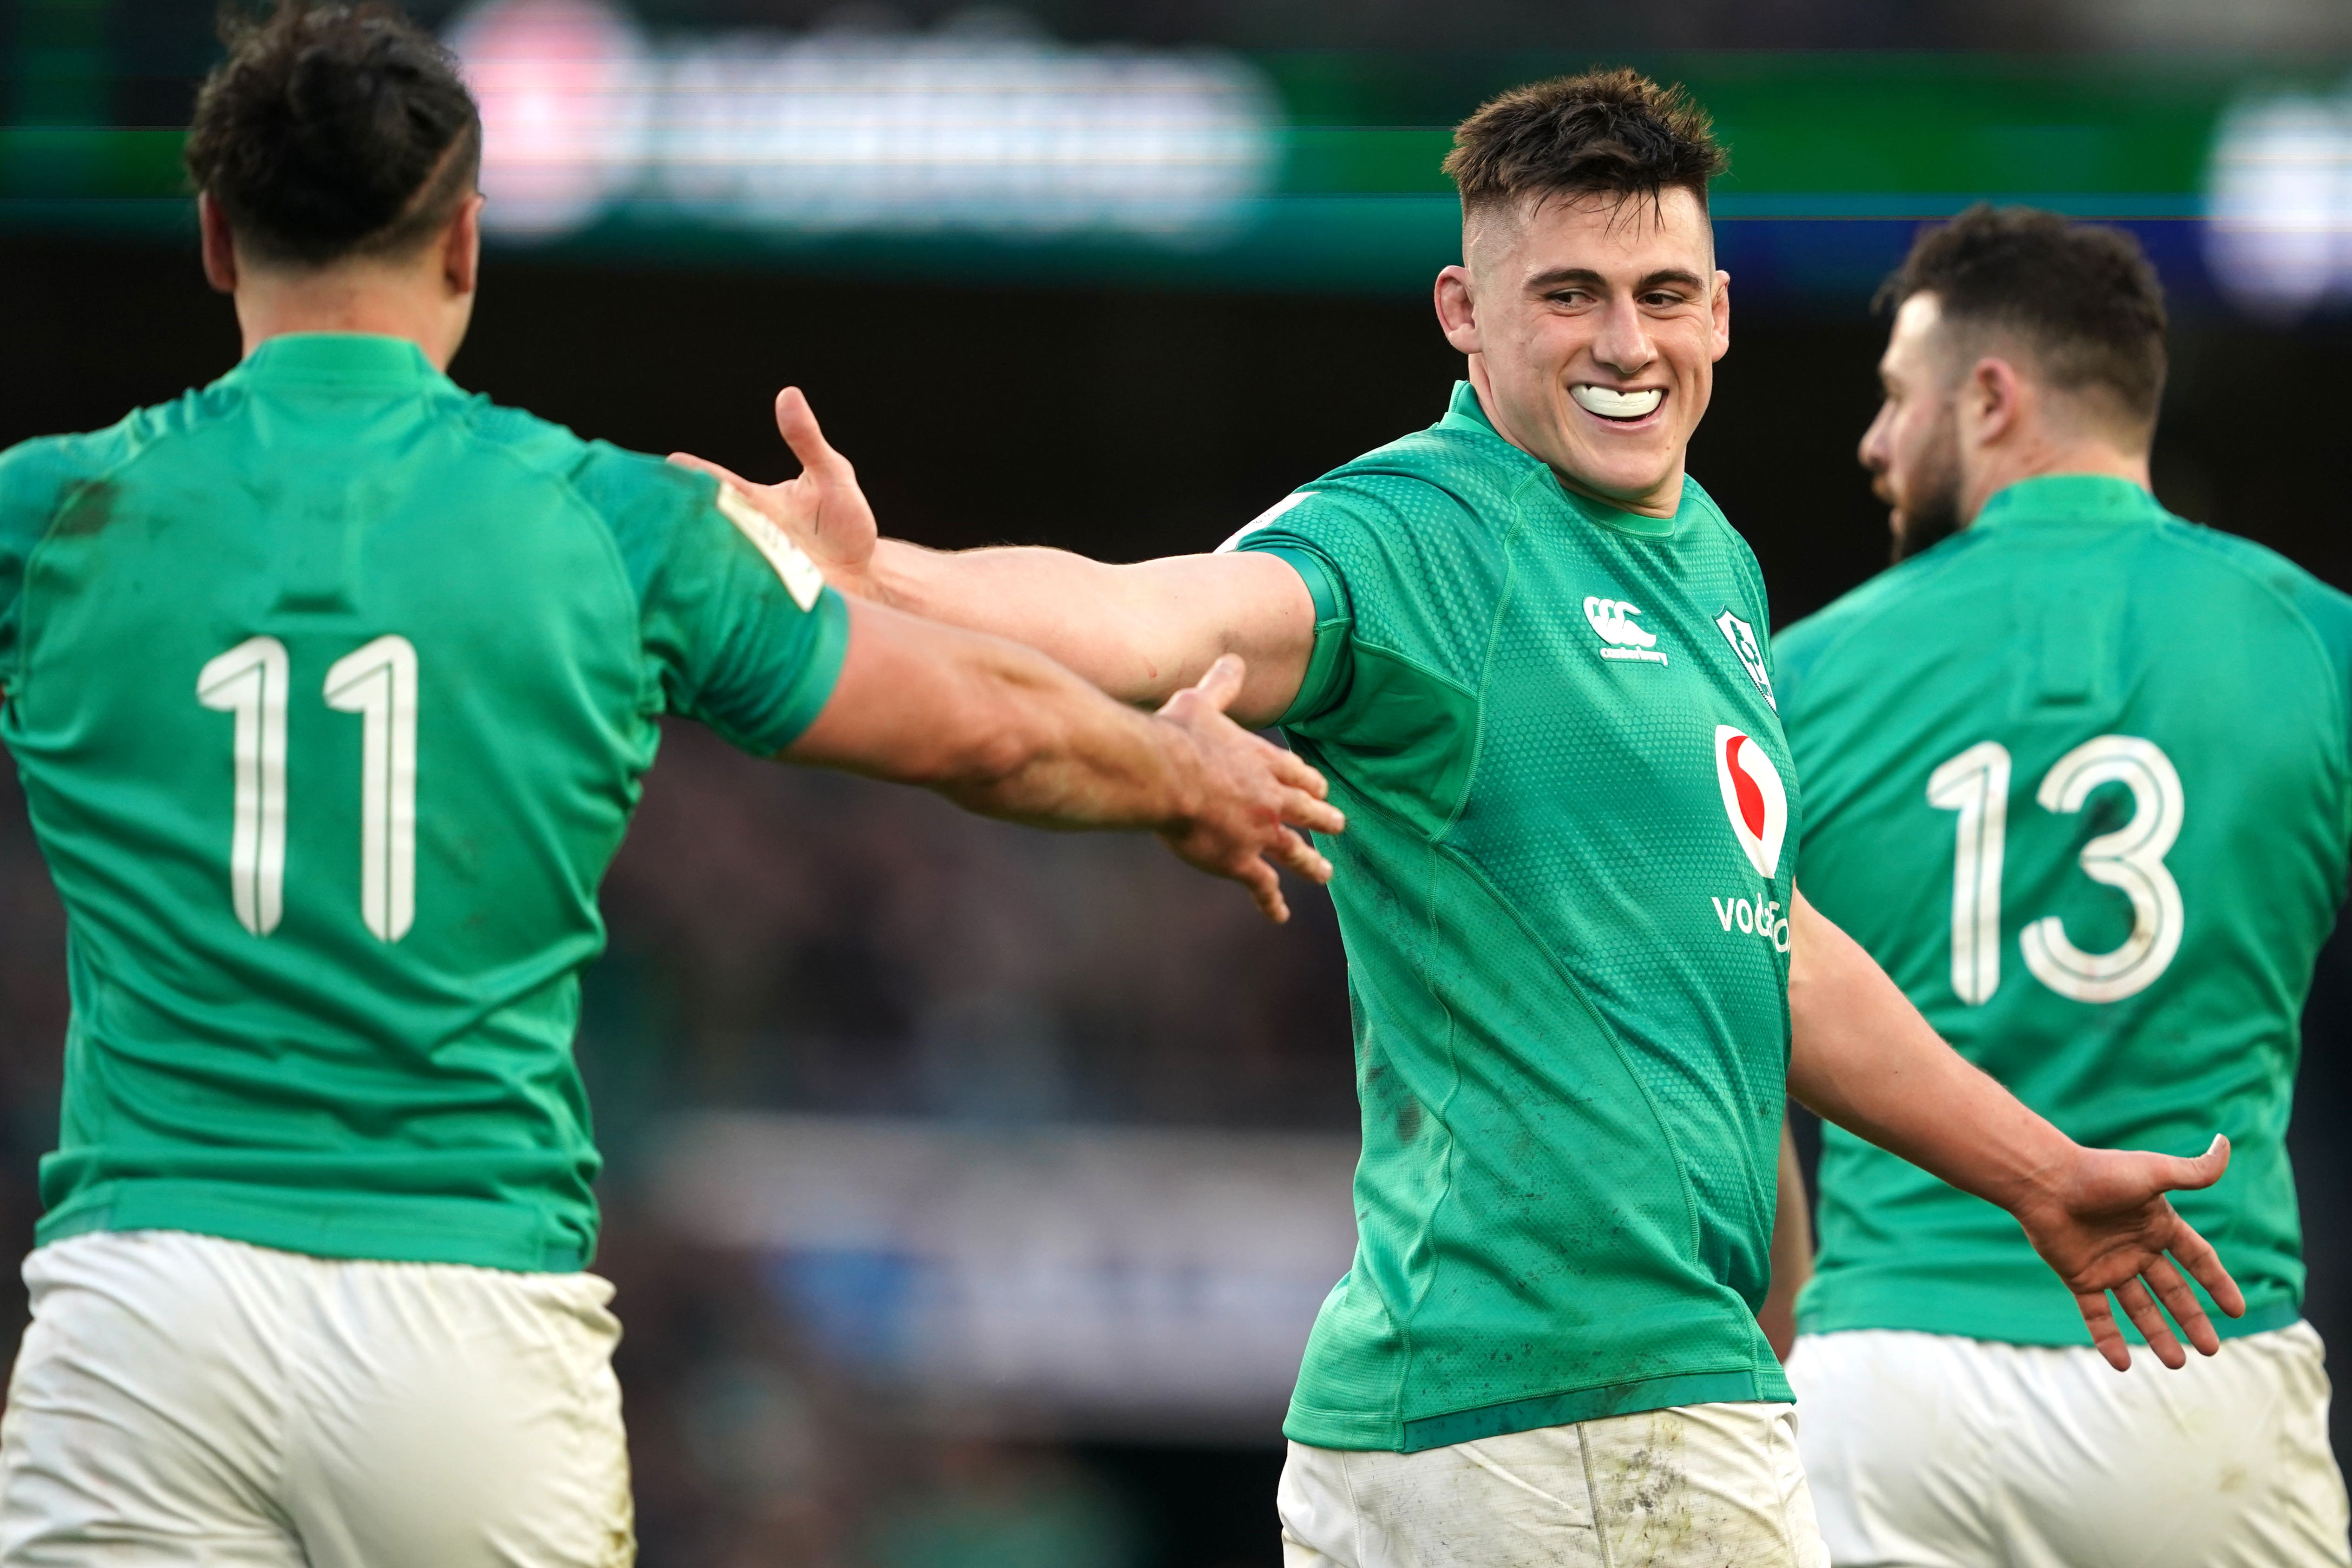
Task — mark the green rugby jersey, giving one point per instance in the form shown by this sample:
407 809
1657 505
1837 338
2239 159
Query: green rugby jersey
330 688
2079 779
1563 891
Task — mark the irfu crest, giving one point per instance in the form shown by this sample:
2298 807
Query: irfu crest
1742 638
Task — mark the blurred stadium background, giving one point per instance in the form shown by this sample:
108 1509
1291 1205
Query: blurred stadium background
971 1190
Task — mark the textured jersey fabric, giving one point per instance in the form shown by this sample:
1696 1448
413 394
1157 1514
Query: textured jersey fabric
330 688
2157 712
1549 724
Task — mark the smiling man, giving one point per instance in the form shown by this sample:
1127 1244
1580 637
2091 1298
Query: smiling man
1529 653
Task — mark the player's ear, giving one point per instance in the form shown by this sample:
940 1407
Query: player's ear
461 247
1457 310
220 246
1721 308
1996 395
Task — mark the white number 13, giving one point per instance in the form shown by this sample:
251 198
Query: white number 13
378 682
1976 784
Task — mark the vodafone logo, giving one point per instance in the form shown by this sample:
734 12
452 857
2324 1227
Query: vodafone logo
1752 797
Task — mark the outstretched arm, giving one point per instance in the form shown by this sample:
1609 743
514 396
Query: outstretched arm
1140 632
1864 1059
1006 732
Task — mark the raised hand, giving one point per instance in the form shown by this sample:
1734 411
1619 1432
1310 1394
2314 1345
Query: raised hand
1255 796
2107 1225
822 509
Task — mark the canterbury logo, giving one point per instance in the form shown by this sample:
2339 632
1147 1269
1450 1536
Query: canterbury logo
1752 797
1611 618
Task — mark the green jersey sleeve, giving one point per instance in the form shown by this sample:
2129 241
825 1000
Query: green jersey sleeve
740 627
36 478
1371 549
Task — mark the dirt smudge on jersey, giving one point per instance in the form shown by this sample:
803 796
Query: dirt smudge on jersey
88 512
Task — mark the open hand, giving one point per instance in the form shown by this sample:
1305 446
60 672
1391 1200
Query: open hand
2107 1225
821 511
1253 798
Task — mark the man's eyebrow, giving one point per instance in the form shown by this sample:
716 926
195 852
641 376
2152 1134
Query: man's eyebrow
1690 280
1586 278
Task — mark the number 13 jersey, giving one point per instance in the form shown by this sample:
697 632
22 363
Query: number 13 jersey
2079 779
330 688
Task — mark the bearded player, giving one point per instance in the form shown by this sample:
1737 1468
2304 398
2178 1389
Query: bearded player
2078 775
1531 655
330 688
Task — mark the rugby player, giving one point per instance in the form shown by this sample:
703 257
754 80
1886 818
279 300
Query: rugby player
2078 775
332 688
1533 659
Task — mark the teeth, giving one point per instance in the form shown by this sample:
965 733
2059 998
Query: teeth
1613 404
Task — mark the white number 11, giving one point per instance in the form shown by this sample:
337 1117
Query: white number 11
378 682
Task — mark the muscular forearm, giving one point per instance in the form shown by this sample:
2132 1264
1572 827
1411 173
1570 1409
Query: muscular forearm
1864 1058
1140 632
1045 750
999 728
1085 615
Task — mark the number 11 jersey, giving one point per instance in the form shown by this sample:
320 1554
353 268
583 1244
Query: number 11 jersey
330 688
2079 779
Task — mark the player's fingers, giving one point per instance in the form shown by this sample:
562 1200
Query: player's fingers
2195 1254
2177 1174
1300 809
1294 854
1265 886
2105 1336
2141 1307
1223 682
2181 1302
1294 770
796 423
725 475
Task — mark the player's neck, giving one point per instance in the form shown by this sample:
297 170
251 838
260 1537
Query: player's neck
359 299
1996 470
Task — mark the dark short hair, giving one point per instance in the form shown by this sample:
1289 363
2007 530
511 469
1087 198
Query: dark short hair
333 130
2082 296
1605 133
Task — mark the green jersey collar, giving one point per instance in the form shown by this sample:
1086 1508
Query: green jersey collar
356 360
2072 498
1465 412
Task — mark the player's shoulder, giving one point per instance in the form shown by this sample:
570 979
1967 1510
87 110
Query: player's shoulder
1707 521
1415 496
1845 622
1459 463
2203 556
41 477
632 494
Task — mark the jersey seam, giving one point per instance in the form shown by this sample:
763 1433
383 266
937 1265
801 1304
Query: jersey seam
648 680
1486 659
142 447
1924 571
1406 1326
2341 756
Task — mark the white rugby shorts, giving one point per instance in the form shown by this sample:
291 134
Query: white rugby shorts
182 1400
1933 1451
1696 1487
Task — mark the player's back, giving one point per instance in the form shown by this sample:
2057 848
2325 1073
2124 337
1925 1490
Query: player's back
2079 779
330 688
